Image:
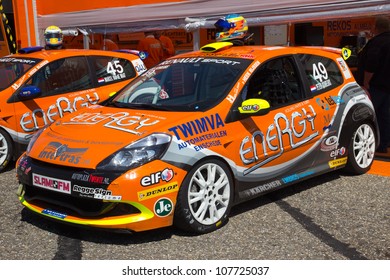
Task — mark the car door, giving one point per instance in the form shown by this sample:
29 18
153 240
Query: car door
62 86
279 143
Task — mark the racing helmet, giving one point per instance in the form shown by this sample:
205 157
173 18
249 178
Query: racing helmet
231 27
53 36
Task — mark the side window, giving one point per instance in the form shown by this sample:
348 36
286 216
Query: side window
61 76
275 81
322 73
112 69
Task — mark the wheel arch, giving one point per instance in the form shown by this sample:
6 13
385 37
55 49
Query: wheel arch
358 114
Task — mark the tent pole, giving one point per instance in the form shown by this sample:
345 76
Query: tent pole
196 39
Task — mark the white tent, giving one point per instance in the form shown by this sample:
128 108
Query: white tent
118 16
176 14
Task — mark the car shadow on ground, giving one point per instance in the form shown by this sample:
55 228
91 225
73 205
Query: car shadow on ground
127 238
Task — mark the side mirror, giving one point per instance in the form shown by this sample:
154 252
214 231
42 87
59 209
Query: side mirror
29 92
254 107
249 108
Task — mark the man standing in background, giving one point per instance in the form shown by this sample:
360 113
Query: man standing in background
375 64
152 47
166 42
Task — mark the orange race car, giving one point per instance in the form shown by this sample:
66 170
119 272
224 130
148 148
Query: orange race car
197 134
38 86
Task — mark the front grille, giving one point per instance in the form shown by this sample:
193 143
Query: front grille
82 207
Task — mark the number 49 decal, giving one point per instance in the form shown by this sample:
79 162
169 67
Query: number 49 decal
114 68
319 72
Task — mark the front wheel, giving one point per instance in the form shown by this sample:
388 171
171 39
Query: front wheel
205 197
5 149
361 149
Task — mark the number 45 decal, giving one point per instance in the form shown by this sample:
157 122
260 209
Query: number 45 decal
114 68
319 72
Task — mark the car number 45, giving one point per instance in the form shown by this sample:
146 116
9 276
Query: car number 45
114 67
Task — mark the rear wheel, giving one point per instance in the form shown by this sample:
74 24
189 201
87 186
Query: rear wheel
361 149
205 197
5 149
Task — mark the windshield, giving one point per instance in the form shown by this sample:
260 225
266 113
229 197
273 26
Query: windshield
12 68
184 84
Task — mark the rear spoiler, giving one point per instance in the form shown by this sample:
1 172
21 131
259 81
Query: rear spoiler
141 54
344 52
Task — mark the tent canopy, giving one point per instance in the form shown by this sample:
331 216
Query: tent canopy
115 16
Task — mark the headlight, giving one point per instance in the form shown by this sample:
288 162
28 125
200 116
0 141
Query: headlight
33 139
138 153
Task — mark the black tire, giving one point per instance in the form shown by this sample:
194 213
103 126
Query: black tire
209 185
6 149
361 150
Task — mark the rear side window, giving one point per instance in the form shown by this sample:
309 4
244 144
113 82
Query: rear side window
322 73
112 69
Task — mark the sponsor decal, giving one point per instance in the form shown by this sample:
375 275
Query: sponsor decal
329 144
347 74
163 207
163 94
17 60
155 178
91 178
259 189
337 152
157 191
114 78
236 90
329 101
251 108
197 126
337 162
139 66
200 60
255 148
122 121
297 106
204 141
245 78
321 85
97 193
37 67
78 141
250 71
54 213
296 177
31 121
63 153
24 165
50 183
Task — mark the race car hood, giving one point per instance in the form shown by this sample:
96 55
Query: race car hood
85 138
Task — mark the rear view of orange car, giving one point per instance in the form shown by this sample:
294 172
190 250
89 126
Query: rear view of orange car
39 86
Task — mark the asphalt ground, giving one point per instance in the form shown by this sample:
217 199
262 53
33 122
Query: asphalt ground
332 217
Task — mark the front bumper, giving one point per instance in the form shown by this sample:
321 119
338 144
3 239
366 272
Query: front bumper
116 205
